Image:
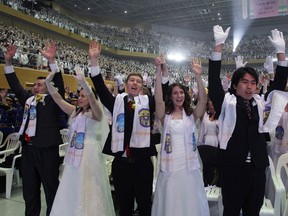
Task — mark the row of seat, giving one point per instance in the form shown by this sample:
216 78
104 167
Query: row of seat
11 145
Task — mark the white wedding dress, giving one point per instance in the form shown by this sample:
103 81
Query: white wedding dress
180 192
85 190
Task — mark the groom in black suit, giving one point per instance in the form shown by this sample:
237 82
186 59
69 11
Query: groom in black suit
40 154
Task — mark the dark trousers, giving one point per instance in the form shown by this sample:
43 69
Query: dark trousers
133 180
39 165
242 188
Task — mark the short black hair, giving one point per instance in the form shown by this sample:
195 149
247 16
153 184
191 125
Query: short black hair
41 78
239 74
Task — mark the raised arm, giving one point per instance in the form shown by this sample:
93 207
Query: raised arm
104 94
49 52
11 77
202 97
216 92
65 106
94 103
158 94
280 78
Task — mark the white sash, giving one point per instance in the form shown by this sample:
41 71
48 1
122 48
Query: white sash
140 137
30 106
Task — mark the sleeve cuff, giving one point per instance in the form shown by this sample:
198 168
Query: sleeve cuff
283 63
216 56
9 69
54 67
95 70
164 79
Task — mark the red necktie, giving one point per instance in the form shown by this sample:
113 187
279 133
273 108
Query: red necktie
127 149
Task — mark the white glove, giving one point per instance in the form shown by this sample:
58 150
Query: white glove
149 82
49 84
118 80
268 65
239 62
145 75
219 35
82 81
277 41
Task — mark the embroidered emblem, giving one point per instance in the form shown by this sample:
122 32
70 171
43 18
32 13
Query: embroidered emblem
72 143
32 112
144 117
120 123
79 140
279 132
168 146
26 111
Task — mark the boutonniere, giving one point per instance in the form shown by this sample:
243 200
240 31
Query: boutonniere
133 104
40 98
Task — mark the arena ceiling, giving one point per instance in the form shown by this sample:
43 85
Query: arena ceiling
197 15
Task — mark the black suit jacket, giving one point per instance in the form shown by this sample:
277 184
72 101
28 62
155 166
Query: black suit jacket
47 125
108 101
245 136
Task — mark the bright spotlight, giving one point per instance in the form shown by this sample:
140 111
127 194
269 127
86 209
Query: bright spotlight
175 57
237 36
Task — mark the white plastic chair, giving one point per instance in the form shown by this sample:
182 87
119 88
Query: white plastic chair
214 194
9 172
10 142
282 165
267 208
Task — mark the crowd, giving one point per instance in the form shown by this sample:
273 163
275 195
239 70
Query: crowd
136 39
195 106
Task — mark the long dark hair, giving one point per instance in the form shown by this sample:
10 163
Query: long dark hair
239 74
169 107
80 109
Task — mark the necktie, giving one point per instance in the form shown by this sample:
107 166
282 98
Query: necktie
248 109
127 149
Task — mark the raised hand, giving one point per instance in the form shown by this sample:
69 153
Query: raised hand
94 50
49 51
187 79
277 41
219 35
118 79
239 62
158 62
268 64
161 65
10 53
49 84
196 66
80 77
145 75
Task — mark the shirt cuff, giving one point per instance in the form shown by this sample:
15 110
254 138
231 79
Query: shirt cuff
95 70
216 56
164 79
282 63
54 67
9 69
